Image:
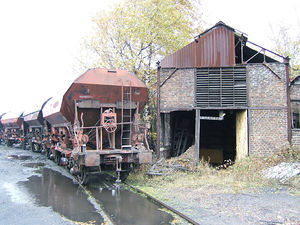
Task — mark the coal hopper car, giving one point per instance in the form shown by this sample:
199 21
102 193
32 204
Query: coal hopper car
1 129
12 125
56 130
97 124
33 125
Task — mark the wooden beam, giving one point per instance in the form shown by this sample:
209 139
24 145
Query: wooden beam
197 136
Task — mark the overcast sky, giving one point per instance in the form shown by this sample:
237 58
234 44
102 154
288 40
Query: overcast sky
40 40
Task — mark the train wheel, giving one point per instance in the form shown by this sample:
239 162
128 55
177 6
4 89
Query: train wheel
57 158
124 175
9 143
83 177
48 153
33 147
36 147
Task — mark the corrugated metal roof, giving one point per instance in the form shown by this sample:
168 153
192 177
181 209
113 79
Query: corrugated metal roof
213 48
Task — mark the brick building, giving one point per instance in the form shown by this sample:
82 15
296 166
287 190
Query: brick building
226 95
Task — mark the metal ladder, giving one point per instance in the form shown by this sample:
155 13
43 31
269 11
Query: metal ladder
126 117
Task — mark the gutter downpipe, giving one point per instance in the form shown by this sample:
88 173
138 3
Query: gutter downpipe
158 113
287 63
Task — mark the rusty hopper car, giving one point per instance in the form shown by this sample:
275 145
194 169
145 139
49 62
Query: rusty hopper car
55 127
34 129
1 128
103 107
13 128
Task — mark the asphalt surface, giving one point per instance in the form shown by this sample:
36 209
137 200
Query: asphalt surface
35 190
18 203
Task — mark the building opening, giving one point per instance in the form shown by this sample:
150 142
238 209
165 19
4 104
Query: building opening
223 136
177 132
217 136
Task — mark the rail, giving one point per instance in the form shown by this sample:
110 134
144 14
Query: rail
160 202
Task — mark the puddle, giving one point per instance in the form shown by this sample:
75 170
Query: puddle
34 164
20 157
126 207
63 196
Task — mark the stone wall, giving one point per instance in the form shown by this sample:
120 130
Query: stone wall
178 91
268 113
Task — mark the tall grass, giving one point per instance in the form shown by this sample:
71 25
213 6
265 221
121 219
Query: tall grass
242 175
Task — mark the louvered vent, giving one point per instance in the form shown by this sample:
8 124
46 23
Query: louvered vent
221 87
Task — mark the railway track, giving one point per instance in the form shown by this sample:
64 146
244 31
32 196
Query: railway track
107 216
162 204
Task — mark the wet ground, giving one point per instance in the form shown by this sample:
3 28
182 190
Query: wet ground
124 206
34 190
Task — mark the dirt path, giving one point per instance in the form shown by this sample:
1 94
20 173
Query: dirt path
269 206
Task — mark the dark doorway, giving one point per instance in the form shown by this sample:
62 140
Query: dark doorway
182 131
218 137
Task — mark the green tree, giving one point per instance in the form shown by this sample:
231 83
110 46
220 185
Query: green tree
287 44
135 34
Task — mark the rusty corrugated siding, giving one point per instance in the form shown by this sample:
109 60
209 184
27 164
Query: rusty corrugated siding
184 57
214 49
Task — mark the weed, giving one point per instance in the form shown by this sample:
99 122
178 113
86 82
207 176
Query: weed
243 175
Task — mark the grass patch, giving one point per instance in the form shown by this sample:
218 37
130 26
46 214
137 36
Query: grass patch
244 175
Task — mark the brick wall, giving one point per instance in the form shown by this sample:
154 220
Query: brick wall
295 92
178 91
267 131
265 88
268 120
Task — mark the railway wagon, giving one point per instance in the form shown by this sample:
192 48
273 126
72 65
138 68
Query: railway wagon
57 129
12 125
96 125
33 128
1 129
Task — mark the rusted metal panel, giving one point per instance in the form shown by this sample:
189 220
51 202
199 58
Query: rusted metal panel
184 57
33 119
105 77
214 48
98 87
10 120
104 86
91 104
145 157
91 158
